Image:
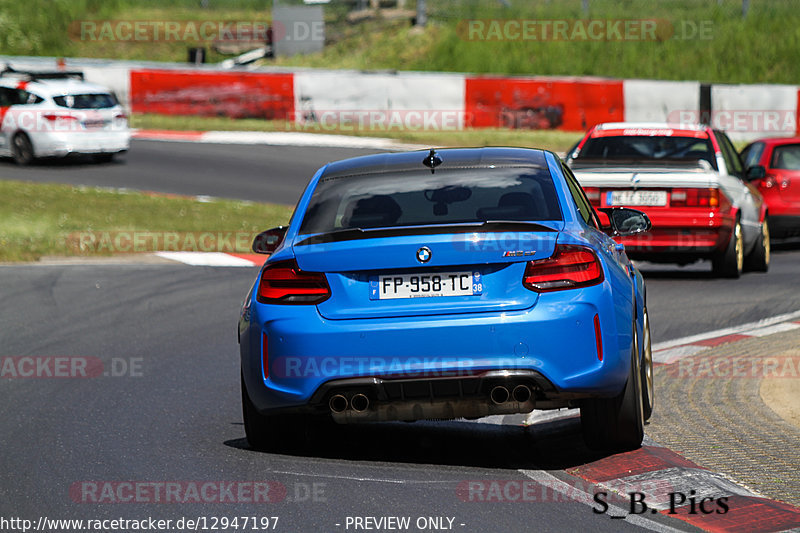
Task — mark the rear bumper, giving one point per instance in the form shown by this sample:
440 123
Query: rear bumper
58 144
488 393
686 233
784 214
553 343
780 202
784 225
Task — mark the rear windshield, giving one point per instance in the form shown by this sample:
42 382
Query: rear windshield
786 157
86 101
646 147
447 197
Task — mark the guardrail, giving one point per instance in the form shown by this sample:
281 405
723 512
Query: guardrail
433 100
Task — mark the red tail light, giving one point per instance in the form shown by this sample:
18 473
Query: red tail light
692 197
569 267
285 283
53 118
593 194
769 182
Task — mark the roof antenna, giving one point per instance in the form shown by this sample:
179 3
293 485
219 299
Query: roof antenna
432 160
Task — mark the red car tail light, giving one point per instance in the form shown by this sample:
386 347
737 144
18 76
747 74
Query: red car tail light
53 118
569 267
593 194
285 283
693 197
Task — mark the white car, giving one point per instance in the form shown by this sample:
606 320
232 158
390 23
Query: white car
55 114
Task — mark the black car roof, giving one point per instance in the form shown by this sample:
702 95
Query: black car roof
452 158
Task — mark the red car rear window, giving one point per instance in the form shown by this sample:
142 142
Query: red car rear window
649 147
786 157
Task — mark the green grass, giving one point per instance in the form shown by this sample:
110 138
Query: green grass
558 141
759 48
755 49
43 219
52 27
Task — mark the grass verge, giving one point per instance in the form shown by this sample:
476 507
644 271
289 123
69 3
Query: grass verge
694 39
549 139
44 219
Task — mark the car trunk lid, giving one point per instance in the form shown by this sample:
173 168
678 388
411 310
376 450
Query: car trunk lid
427 274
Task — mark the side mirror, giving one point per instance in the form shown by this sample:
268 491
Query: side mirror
268 241
755 173
625 221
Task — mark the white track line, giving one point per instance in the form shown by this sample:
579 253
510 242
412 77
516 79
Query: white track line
745 329
215 259
281 138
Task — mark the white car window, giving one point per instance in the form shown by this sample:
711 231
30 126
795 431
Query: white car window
86 101
9 97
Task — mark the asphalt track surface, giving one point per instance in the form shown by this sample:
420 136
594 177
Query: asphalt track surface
174 415
177 417
247 172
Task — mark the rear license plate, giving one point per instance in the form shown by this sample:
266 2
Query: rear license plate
425 285
636 198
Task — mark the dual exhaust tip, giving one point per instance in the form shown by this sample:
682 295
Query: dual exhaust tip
360 402
339 403
500 394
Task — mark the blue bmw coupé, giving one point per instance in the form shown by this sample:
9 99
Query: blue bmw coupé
457 283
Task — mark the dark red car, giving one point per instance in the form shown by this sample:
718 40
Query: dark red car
773 165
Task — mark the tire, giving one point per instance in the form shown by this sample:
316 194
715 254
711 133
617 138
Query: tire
22 149
616 424
730 263
758 259
271 433
648 392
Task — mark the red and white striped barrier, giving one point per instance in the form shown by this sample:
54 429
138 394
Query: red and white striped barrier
345 99
354 100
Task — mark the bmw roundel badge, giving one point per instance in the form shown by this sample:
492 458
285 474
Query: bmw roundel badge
424 254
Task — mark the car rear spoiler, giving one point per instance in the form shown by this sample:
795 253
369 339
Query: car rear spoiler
33 75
